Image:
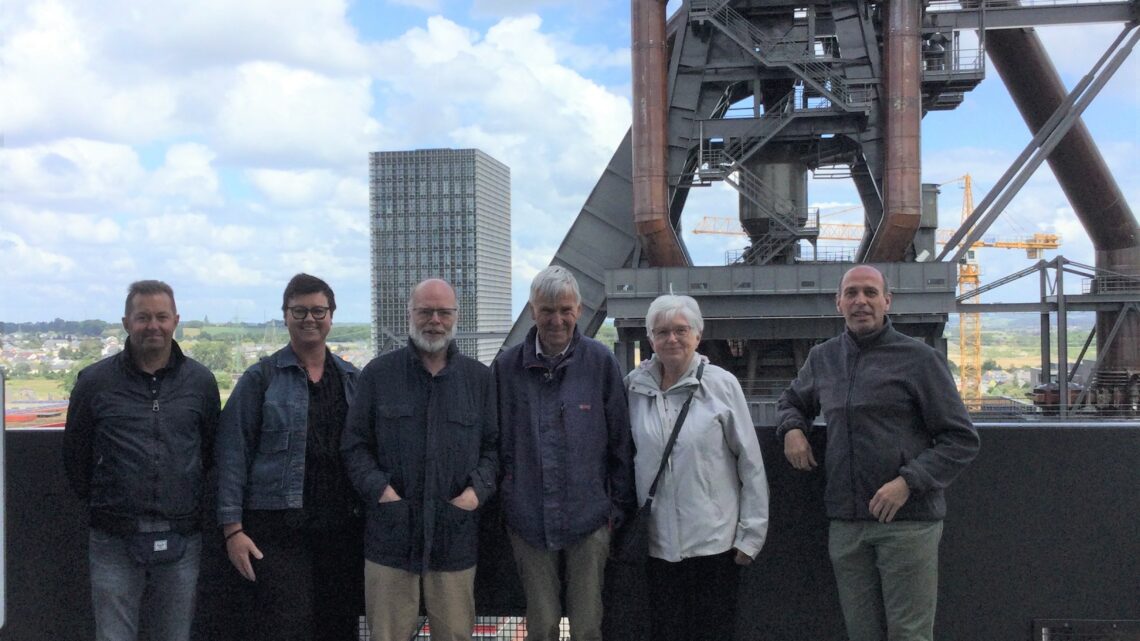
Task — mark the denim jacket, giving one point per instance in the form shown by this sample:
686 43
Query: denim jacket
262 437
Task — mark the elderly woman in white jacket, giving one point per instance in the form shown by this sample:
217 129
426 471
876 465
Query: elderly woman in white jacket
710 513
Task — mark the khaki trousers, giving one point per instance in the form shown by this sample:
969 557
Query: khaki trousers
585 573
392 603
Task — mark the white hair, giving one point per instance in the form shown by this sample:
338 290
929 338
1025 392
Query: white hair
553 282
668 306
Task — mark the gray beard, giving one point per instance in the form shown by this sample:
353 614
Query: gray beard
430 346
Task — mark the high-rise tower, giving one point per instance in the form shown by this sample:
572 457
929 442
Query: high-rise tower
441 213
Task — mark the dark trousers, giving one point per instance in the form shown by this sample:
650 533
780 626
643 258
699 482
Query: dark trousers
310 584
693 599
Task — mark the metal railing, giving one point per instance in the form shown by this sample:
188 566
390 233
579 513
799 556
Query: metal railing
789 53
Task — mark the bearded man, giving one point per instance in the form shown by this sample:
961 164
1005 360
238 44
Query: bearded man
420 446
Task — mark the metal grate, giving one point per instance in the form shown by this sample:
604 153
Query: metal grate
487 628
1085 630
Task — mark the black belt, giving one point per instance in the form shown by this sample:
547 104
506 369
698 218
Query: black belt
126 525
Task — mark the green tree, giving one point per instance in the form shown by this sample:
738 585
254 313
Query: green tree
213 354
67 381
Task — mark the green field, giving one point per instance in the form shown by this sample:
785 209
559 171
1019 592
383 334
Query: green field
33 389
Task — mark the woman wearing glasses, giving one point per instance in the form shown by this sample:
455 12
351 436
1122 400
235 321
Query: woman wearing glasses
290 518
710 512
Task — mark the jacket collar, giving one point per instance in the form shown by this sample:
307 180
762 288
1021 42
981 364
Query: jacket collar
414 355
176 358
288 358
646 379
872 339
530 352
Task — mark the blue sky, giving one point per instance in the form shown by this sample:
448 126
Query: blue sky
222 146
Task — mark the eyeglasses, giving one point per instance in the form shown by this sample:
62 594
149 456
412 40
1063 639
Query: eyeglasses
300 312
444 313
681 332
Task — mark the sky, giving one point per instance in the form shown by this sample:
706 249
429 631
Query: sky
222 146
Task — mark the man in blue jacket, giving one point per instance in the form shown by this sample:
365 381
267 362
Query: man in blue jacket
420 447
897 435
567 459
139 438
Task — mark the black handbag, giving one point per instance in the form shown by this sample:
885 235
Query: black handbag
631 540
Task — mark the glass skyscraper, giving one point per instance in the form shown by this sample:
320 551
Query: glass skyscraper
441 213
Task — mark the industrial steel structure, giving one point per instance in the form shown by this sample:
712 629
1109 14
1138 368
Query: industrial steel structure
441 213
837 87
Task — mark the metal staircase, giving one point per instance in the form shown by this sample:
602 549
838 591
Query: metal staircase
820 74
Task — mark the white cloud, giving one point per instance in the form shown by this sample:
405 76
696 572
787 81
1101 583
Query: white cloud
72 169
187 175
177 230
294 188
26 262
278 115
52 86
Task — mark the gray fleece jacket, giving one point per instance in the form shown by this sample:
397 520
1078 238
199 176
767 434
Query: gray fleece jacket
891 410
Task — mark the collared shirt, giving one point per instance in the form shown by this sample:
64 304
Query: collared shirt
552 359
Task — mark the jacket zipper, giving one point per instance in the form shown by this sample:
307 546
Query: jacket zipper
850 439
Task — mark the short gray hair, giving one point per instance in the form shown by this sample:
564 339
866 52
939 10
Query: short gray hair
670 305
552 282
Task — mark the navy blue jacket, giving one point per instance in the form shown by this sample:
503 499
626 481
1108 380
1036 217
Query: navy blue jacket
263 436
137 445
564 442
430 438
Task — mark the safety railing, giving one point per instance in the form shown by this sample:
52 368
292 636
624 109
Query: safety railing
789 53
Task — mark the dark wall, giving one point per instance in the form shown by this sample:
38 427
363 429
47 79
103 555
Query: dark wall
1043 525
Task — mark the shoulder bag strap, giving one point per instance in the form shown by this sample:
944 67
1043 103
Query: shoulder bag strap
673 437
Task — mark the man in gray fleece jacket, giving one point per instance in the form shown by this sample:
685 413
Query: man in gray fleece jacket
897 435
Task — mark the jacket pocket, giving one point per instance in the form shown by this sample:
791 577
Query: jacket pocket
270 461
454 546
463 441
391 530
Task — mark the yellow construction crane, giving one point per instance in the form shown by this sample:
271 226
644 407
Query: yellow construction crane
969 272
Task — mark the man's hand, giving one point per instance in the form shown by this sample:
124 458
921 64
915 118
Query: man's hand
466 500
239 547
742 558
798 451
389 495
887 501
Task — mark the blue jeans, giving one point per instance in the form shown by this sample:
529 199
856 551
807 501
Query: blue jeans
122 589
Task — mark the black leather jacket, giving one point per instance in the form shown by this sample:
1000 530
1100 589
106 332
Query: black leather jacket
136 446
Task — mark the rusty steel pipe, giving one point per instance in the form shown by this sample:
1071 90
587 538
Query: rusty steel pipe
650 136
902 164
1037 90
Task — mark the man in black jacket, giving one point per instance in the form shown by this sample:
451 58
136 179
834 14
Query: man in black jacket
140 432
420 446
897 435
